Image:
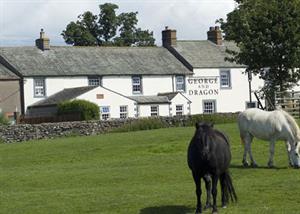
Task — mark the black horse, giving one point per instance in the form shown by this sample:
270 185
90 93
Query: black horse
209 156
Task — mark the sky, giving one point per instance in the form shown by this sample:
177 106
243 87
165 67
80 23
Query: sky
21 20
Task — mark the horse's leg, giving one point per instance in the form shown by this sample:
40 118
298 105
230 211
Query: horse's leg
245 142
248 141
214 193
197 180
288 149
272 149
208 191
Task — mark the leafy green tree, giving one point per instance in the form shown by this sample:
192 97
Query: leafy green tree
108 21
82 33
267 34
91 30
127 23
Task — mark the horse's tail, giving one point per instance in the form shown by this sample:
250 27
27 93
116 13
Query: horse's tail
227 188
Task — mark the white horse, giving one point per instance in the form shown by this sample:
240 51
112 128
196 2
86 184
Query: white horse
272 126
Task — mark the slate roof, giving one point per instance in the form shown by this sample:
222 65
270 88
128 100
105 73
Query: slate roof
6 74
150 99
77 61
64 95
205 54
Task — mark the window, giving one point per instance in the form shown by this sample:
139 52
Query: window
94 80
136 85
209 106
179 109
39 87
154 111
180 83
123 112
104 112
251 104
225 80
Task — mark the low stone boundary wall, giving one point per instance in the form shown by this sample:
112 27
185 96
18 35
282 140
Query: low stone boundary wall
25 132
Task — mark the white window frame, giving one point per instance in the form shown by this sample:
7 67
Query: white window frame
180 83
225 79
136 86
94 81
179 111
39 87
104 115
211 110
154 113
123 112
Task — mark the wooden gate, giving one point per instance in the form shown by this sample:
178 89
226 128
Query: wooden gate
289 101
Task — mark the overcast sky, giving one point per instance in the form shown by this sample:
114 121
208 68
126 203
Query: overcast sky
21 20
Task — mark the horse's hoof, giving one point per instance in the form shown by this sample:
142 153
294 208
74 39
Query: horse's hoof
270 165
245 163
254 165
215 212
198 211
207 206
224 206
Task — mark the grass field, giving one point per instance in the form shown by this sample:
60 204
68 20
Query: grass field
141 172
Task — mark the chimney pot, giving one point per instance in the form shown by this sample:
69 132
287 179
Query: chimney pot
215 35
43 42
168 37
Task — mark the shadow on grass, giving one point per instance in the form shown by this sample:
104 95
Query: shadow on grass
235 166
167 210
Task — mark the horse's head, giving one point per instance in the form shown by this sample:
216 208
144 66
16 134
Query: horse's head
296 155
200 137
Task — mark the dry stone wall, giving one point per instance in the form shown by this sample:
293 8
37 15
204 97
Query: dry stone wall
25 132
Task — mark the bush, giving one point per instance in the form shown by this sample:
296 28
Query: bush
86 109
3 120
143 124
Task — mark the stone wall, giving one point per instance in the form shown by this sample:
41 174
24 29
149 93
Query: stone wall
24 132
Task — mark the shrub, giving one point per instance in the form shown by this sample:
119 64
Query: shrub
3 120
86 109
143 124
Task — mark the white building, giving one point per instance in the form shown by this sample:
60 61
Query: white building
182 77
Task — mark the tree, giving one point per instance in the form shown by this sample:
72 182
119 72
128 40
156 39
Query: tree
108 21
90 30
267 35
82 33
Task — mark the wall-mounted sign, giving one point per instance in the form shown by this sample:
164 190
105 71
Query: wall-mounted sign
100 96
203 85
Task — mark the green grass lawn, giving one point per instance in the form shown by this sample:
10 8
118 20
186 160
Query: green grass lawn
141 172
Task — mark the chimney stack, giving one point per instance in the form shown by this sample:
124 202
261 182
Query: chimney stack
215 35
43 42
168 37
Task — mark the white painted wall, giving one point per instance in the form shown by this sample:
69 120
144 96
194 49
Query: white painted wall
152 85
180 100
111 99
53 85
227 100
145 110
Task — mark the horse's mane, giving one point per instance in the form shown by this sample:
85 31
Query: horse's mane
292 122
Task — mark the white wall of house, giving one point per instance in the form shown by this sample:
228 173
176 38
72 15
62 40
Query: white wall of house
151 85
53 85
231 99
180 100
204 85
104 97
145 110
